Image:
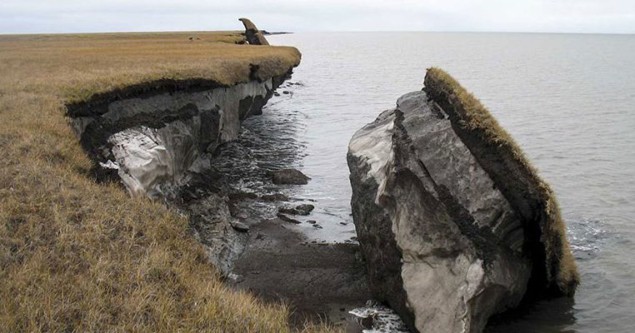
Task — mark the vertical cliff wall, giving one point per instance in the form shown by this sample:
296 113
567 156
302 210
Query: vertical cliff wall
158 138
152 138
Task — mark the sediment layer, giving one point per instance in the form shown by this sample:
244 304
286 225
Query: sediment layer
153 139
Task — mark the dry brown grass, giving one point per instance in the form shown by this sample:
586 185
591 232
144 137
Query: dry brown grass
475 118
80 256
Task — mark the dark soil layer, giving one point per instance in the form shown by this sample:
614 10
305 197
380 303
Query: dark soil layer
320 282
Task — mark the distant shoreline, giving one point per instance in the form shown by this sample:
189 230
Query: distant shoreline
267 33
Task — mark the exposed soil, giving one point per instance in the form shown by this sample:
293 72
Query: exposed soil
321 282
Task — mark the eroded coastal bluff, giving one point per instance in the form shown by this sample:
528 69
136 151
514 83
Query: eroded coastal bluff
158 139
77 252
454 223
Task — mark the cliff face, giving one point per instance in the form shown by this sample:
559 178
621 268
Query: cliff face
153 140
158 139
447 244
59 225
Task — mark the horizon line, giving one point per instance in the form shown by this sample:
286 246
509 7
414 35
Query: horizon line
318 31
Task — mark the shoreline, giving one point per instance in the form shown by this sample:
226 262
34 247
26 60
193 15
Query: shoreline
237 246
320 282
61 226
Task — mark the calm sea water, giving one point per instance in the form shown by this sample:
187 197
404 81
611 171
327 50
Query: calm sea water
568 100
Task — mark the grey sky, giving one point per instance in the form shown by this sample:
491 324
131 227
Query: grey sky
40 16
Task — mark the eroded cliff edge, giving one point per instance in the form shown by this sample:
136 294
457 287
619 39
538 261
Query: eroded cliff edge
454 223
85 253
157 138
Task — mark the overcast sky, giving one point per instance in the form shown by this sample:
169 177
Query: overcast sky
588 16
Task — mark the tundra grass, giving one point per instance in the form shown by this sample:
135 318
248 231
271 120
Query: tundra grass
80 256
473 117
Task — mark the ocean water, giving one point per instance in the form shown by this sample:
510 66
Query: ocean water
568 100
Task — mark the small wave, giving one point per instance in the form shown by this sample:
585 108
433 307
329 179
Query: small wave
586 237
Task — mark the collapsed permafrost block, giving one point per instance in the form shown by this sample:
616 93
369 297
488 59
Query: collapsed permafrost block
454 223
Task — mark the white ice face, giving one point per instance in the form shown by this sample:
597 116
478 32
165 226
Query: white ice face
373 145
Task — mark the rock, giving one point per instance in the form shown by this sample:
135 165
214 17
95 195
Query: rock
287 219
239 226
254 36
242 195
454 224
274 197
303 209
311 221
289 177
287 210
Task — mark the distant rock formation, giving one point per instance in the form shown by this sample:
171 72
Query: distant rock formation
253 35
453 222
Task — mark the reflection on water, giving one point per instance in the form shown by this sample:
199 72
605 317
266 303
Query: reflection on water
546 317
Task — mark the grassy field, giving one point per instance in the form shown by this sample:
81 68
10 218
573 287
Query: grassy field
80 256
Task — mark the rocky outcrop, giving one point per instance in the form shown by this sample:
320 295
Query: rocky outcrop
453 222
253 35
